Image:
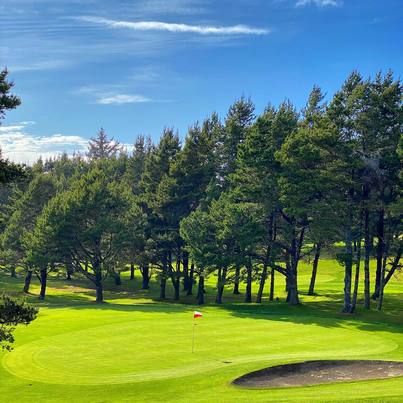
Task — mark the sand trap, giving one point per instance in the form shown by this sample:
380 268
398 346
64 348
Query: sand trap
317 372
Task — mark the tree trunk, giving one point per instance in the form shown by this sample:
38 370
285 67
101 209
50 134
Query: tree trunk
261 284
367 250
271 238
191 280
292 277
69 269
236 281
292 295
348 271
176 278
13 273
200 290
393 268
395 265
116 275
357 276
163 282
43 278
382 283
287 279
185 263
27 282
222 277
145 273
383 271
99 288
163 279
96 267
314 270
176 284
248 290
271 295
131 271
379 253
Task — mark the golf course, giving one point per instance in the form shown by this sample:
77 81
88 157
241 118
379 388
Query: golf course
201 201
136 348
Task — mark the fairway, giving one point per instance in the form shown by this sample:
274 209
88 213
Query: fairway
135 348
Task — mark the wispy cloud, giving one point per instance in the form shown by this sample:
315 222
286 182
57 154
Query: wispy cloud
184 7
122 99
39 66
319 3
176 28
111 94
20 146
146 74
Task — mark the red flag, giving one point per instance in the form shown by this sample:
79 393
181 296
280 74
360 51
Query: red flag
197 314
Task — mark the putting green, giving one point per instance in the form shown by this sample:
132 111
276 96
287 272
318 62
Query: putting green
126 351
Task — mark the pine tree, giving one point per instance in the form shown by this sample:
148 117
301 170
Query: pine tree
155 185
12 313
113 221
101 146
8 171
239 119
7 101
22 222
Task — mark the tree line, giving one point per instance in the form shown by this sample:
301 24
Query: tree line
245 199
12 311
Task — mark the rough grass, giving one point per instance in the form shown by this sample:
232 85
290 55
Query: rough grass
136 348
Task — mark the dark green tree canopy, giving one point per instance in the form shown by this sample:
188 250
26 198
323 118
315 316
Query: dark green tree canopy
12 313
7 101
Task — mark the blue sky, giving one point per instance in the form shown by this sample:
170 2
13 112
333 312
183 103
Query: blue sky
136 66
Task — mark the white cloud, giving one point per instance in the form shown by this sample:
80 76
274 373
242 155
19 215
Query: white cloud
319 3
19 146
11 129
177 28
110 94
28 122
122 99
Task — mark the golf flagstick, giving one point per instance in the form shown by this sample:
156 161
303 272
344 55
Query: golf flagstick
196 314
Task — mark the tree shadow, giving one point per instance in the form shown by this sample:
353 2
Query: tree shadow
326 313
323 309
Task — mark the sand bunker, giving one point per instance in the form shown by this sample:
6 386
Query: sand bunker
317 372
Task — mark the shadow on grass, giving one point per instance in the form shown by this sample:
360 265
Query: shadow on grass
322 309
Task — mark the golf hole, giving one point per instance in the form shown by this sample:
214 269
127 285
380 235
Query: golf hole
319 372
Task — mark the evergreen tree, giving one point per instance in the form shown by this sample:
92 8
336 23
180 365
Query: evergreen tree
101 146
256 180
12 313
7 101
8 171
92 222
239 119
21 222
154 185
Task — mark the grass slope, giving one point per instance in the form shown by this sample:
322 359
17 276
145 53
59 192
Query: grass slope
136 348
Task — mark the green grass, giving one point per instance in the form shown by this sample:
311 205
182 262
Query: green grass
136 348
